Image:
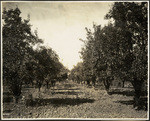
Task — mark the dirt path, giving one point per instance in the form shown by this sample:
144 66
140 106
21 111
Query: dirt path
71 100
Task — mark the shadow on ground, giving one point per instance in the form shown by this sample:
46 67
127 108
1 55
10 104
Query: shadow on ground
68 85
7 111
67 89
58 101
68 93
127 102
142 104
124 92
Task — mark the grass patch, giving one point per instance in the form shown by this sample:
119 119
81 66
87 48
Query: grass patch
58 101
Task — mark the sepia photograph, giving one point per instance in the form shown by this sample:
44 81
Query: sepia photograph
75 60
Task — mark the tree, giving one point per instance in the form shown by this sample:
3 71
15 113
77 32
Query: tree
88 54
17 43
77 73
48 65
134 25
96 55
119 49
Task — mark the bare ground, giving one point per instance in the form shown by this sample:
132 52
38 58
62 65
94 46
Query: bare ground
71 100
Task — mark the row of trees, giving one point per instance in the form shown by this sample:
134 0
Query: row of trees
25 59
118 49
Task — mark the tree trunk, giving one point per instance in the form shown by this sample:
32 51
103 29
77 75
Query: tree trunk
137 98
107 85
39 85
93 80
16 99
123 84
47 84
32 83
88 82
39 88
137 85
16 89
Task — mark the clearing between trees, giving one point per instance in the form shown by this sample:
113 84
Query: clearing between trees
72 100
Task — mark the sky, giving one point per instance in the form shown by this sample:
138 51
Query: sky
62 24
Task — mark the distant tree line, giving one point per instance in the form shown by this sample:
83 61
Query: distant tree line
25 59
118 49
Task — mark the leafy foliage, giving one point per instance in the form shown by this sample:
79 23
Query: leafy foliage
119 49
136 26
21 63
17 41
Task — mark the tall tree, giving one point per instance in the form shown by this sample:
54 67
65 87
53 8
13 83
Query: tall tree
17 45
131 19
